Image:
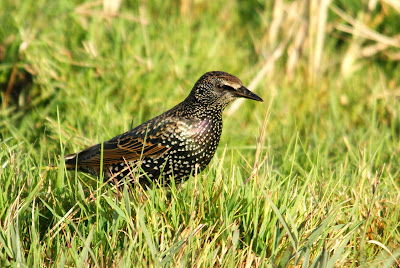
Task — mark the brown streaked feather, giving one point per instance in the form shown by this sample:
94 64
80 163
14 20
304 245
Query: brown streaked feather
130 146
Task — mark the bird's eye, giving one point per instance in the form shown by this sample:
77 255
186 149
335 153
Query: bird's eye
219 86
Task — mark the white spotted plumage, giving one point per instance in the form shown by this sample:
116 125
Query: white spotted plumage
173 143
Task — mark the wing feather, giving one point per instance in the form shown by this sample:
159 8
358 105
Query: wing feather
130 146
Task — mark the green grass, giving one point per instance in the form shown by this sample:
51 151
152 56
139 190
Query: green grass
309 178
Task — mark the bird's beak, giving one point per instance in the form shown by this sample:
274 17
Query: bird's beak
243 92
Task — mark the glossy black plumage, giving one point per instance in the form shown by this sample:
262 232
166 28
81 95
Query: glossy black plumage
173 143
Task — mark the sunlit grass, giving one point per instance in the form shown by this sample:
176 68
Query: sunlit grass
310 177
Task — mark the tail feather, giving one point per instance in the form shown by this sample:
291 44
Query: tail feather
71 161
81 159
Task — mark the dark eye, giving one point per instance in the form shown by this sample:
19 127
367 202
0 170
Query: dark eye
219 86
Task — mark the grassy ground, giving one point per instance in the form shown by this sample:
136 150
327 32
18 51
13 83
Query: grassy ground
308 178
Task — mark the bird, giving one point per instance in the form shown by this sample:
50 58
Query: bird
179 142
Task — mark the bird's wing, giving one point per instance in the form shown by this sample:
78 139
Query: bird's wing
144 141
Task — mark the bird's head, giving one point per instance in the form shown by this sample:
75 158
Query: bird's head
218 89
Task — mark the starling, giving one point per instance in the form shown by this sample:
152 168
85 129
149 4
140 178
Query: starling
174 143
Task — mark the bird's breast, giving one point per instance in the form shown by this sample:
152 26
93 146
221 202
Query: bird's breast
200 140
201 132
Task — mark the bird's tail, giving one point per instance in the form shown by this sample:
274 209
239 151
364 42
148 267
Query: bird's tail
86 160
71 161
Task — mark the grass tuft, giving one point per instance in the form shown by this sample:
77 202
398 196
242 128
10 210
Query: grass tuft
310 178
